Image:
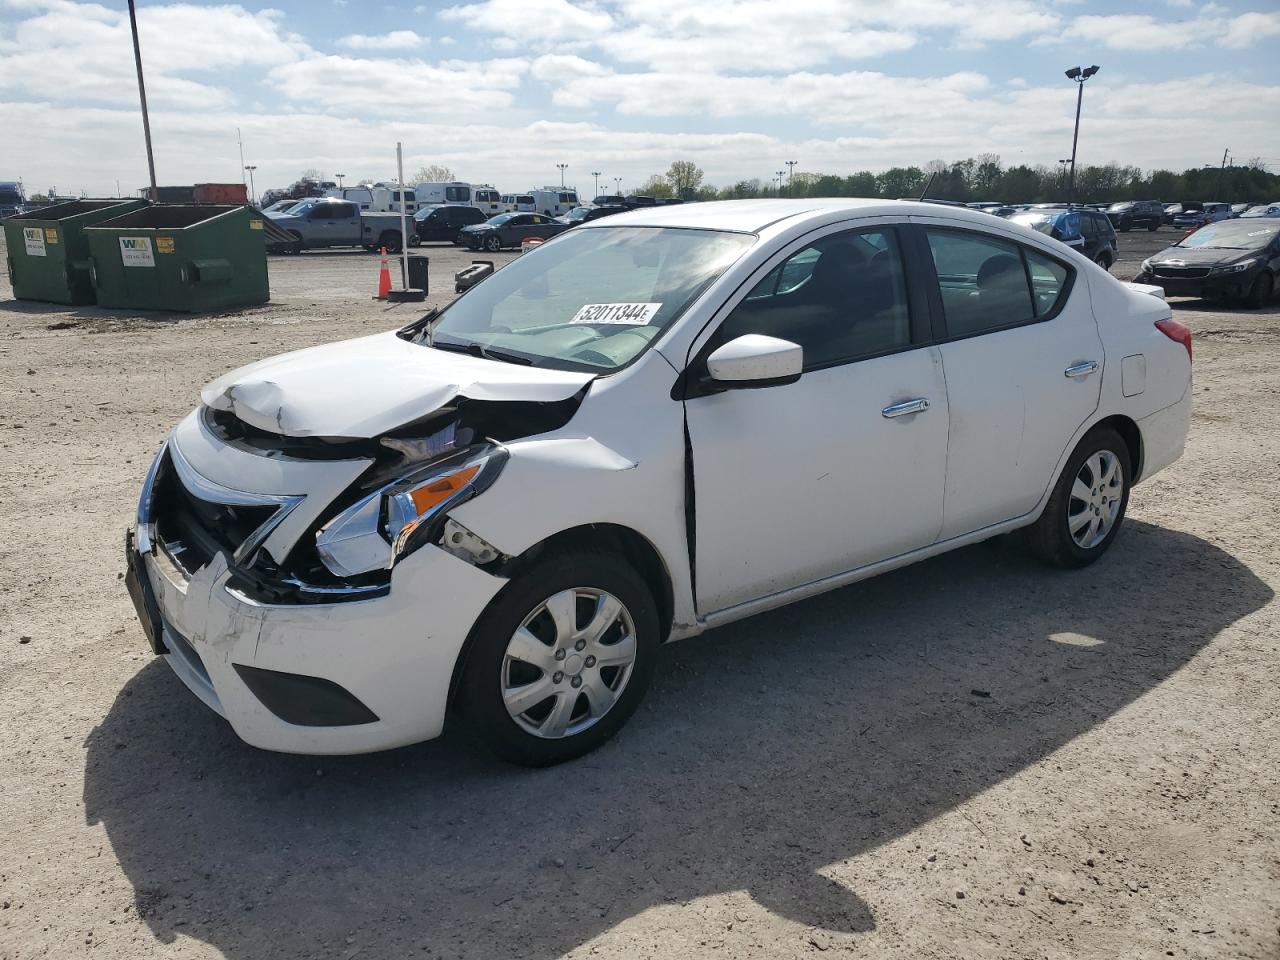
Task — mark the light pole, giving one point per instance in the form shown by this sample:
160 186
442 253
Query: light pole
791 174
253 194
617 183
1062 172
781 174
595 183
153 194
563 167
1079 75
338 177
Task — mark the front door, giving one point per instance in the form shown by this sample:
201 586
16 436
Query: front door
1023 362
845 466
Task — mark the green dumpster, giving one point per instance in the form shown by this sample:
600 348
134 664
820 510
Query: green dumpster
48 252
191 258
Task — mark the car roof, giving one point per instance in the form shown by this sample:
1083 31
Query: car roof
752 216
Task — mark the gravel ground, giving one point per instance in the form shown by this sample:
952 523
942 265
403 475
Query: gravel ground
973 757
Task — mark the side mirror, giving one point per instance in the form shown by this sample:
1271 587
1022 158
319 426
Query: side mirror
755 360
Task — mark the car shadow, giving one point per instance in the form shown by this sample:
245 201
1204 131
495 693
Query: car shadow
765 752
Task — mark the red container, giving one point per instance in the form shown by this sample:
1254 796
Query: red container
221 193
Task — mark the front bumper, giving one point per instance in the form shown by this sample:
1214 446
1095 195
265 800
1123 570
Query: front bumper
1211 287
317 678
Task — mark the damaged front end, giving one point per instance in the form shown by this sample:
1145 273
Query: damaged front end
405 483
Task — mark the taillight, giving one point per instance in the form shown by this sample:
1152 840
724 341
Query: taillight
1177 332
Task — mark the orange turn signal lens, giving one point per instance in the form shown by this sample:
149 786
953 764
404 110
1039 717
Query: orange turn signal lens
432 494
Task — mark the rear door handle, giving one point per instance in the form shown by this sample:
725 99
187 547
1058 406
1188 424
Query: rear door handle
919 405
1081 369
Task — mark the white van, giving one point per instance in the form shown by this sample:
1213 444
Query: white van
554 201
517 203
361 196
434 193
377 197
486 199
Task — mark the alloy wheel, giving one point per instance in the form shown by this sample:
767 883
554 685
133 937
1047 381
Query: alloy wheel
1095 499
568 662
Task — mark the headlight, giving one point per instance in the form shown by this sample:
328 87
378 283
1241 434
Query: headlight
1240 266
1146 266
395 520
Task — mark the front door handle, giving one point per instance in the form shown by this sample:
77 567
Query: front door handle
1081 369
919 405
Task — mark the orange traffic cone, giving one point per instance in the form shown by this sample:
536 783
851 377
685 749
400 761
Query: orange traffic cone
384 278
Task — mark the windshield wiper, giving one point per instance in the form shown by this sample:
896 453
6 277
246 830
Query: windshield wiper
480 350
412 330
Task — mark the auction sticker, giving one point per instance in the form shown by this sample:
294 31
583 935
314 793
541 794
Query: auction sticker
136 252
51 234
631 314
33 238
164 244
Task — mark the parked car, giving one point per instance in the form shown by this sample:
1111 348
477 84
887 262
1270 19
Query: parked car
517 203
1207 213
610 200
508 229
586 214
1171 210
281 206
509 504
1237 259
1088 231
327 222
1238 209
12 201
1127 214
445 222
1263 210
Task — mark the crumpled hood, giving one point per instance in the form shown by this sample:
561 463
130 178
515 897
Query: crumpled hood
364 387
1199 256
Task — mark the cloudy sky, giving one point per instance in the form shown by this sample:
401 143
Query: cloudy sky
503 90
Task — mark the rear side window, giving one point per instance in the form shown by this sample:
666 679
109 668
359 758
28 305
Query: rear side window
457 194
982 282
1048 281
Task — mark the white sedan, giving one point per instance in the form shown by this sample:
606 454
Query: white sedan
657 423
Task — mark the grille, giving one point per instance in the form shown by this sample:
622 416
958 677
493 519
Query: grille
1182 273
193 531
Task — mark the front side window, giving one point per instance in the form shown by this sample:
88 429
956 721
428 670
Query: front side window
982 282
590 299
841 298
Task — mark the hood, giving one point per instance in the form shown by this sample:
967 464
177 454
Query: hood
362 388
1198 256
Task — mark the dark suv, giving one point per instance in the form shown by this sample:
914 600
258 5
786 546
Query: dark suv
1088 231
1127 214
445 222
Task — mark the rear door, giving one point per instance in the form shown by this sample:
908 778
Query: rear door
1023 362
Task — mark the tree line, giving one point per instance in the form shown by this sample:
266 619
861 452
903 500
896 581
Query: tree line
986 178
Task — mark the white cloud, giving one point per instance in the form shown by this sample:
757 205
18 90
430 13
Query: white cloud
1145 32
410 88
395 40
531 24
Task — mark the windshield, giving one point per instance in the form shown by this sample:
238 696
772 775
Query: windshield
592 299
1232 235
500 219
1115 207
1068 224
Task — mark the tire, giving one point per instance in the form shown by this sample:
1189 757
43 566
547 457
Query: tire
493 244
1153 227
1103 261
1125 226
1261 290
296 247
1096 517
506 662
391 241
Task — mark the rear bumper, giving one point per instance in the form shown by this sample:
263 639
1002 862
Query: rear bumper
1164 435
393 655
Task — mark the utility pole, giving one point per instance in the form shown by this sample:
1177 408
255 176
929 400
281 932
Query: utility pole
142 95
338 177
791 174
1222 170
595 181
253 194
1079 75
563 167
240 143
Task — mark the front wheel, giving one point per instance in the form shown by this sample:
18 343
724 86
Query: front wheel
1153 227
391 241
1103 261
493 243
1125 226
1088 503
560 659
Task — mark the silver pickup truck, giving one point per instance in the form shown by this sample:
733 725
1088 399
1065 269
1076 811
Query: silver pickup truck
329 222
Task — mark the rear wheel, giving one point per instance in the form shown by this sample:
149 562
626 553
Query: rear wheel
1153 226
1125 226
1088 503
391 240
1261 290
560 659
1103 260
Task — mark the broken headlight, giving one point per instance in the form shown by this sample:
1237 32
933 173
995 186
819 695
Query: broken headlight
398 518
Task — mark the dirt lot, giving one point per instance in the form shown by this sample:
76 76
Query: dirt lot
973 757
